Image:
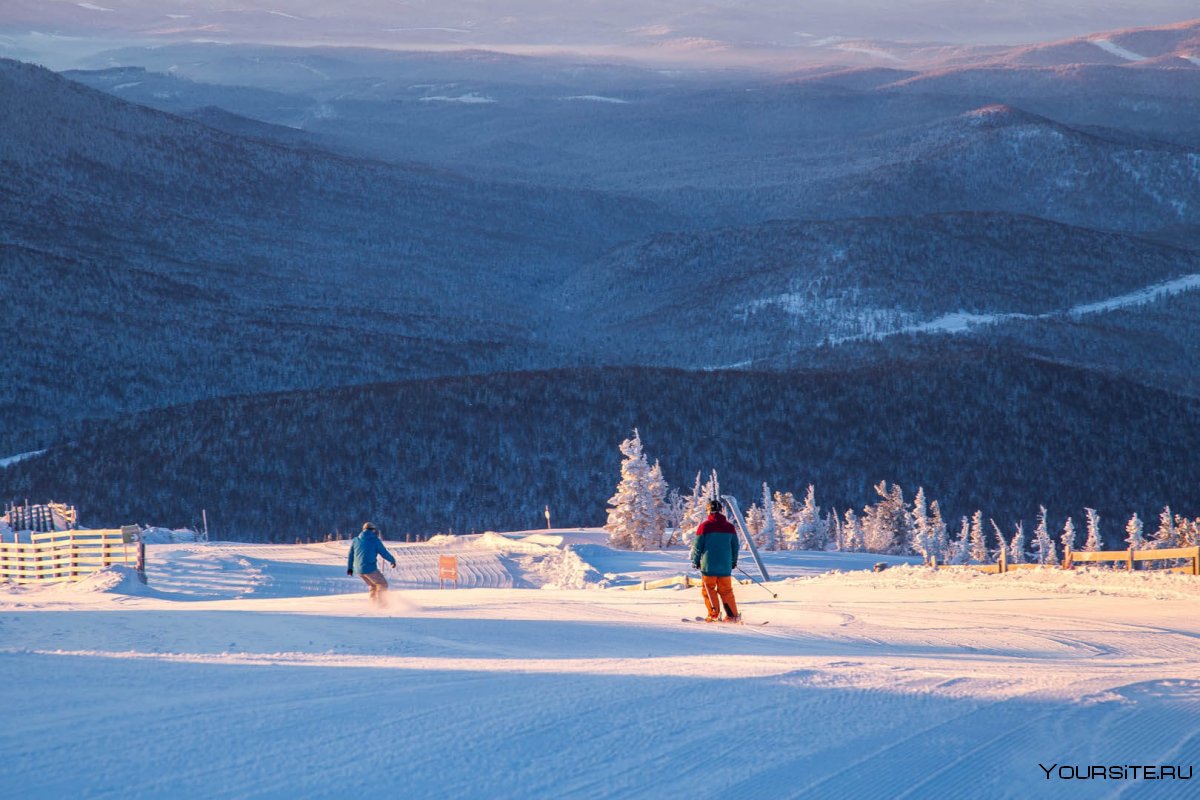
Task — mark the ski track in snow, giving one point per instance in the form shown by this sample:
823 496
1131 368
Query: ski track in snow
260 671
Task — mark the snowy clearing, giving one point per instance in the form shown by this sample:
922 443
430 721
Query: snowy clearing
8 461
1116 50
470 97
597 98
962 321
260 671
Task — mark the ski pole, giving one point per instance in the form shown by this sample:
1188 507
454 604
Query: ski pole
756 583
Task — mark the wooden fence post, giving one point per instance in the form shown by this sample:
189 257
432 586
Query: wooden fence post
1129 559
1003 560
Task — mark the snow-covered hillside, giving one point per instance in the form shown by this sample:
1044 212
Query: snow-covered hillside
260 671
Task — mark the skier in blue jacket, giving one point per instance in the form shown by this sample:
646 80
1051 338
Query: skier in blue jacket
364 552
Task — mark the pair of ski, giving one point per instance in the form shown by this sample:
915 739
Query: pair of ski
721 621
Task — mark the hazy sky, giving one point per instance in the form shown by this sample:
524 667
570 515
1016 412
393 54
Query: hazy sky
663 27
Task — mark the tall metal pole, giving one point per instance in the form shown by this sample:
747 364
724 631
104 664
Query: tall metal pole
732 503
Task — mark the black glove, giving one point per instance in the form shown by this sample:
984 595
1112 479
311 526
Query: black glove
349 572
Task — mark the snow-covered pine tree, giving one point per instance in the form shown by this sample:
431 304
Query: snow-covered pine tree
922 538
1016 548
768 539
1188 531
694 512
1068 536
1133 533
636 516
1094 542
939 537
712 489
852 534
960 548
786 512
978 552
675 509
832 524
656 490
1001 544
754 521
1166 536
810 531
885 524
1043 545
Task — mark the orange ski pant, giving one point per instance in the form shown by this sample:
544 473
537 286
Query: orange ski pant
713 588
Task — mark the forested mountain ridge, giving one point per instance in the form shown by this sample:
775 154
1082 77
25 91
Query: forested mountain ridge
787 286
149 259
977 428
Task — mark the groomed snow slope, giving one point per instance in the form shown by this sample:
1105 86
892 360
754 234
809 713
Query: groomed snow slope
260 671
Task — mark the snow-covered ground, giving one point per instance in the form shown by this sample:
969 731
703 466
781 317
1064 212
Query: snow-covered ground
260 671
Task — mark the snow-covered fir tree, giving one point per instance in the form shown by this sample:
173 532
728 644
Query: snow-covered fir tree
1094 542
786 512
852 534
811 533
1167 536
919 524
675 510
1068 536
637 513
1016 548
1133 533
938 535
1187 530
657 489
1001 544
1043 545
885 524
768 538
754 521
695 509
979 550
960 548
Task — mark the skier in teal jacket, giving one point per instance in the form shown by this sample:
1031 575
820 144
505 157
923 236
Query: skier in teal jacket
715 554
365 550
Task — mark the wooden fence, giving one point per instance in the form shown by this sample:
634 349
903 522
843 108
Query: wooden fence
1128 559
61 556
40 517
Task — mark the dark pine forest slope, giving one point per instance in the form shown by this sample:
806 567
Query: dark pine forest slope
977 429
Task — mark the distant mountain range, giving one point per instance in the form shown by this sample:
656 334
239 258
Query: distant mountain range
377 235
150 259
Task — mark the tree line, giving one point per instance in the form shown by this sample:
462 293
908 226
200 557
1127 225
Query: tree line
646 513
